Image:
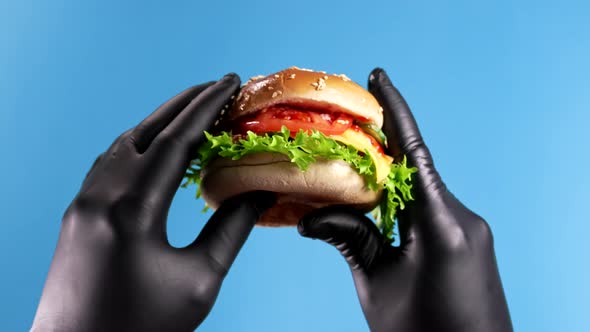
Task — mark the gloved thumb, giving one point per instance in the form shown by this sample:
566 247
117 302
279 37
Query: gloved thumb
351 232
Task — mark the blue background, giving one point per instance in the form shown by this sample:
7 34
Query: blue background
500 89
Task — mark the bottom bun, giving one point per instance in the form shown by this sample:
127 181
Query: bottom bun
324 183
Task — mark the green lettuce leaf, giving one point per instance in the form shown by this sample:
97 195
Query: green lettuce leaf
303 150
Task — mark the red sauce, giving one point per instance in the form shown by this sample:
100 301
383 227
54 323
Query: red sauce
271 119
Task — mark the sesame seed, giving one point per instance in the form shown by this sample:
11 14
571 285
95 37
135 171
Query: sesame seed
270 87
276 94
320 84
292 76
344 77
276 75
216 122
255 78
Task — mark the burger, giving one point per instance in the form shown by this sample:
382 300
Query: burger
313 138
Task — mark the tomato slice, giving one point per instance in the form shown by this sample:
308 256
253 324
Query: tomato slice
271 119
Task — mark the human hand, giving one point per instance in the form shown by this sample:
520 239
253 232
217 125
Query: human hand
443 276
113 268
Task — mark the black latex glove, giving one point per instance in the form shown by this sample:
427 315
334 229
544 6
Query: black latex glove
113 269
444 276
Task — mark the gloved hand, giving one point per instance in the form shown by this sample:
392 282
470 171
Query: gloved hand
113 269
444 276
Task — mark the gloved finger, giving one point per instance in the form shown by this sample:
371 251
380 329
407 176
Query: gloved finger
225 233
96 161
185 132
120 151
143 134
430 216
403 135
92 170
173 148
352 233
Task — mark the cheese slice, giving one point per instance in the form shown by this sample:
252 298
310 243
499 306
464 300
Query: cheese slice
362 142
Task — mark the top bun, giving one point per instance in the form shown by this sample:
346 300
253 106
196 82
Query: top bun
336 93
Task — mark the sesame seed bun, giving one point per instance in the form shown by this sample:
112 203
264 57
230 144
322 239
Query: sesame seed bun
294 86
